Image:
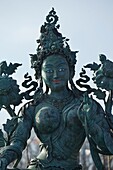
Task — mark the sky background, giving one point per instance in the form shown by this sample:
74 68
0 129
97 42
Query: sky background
87 23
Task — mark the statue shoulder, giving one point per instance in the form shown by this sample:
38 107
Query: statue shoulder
27 109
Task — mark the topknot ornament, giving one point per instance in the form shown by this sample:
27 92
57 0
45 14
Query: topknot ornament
51 41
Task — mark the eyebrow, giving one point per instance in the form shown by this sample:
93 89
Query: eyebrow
48 65
62 63
51 65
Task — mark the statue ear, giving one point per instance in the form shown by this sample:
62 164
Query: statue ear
71 74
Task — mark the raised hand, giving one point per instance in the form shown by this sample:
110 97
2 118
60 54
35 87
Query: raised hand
86 109
87 103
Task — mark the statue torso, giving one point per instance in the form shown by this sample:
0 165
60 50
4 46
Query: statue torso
60 132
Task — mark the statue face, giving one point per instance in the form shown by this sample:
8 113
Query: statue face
55 72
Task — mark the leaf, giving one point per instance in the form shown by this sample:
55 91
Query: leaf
2 140
93 66
99 94
12 67
10 125
67 39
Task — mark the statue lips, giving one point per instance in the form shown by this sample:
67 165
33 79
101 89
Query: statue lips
56 81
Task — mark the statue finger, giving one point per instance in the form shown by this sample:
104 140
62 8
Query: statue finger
86 98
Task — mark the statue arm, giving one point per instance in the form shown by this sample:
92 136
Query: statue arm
97 130
96 126
19 138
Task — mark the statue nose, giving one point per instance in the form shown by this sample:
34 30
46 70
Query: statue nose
55 74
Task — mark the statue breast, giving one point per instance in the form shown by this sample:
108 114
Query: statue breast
47 119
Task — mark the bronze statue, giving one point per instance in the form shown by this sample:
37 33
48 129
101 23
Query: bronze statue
61 115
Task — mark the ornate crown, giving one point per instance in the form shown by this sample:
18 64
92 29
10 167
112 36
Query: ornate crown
51 42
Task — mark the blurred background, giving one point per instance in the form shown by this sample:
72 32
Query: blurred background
87 23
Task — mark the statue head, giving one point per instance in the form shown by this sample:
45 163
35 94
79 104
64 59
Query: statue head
55 72
52 44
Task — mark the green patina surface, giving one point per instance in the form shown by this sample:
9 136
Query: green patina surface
61 114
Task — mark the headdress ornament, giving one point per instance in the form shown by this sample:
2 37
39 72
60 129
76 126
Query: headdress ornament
51 42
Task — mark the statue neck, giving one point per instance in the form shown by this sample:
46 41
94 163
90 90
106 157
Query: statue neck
59 94
59 99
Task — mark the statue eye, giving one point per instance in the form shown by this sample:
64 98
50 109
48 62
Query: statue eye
49 71
61 69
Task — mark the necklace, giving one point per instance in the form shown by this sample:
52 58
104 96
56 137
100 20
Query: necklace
59 103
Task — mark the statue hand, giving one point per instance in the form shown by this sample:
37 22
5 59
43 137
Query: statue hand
3 164
86 109
87 103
